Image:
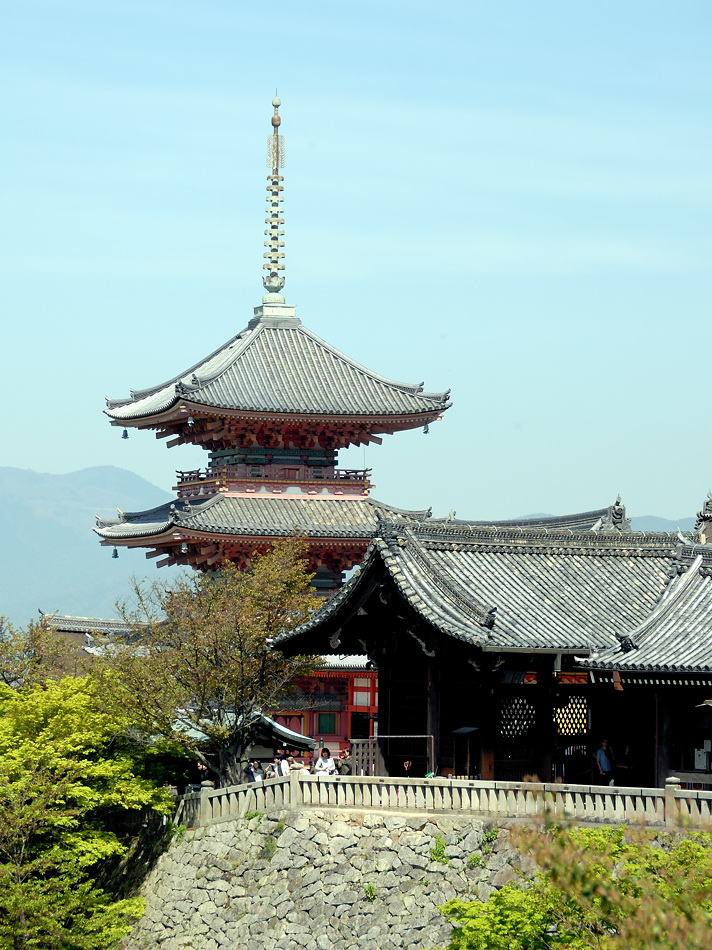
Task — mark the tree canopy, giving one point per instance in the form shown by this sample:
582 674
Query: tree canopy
65 764
598 889
200 664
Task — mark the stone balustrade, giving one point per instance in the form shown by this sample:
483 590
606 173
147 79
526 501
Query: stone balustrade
654 807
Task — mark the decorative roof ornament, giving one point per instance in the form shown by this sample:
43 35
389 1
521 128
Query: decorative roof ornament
274 255
704 516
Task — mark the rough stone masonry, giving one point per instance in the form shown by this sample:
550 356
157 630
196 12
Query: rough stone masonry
321 880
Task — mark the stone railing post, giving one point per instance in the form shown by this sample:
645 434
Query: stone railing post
205 809
295 789
672 811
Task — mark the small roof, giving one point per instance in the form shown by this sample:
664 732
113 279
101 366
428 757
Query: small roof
506 589
676 636
277 365
106 627
263 515
271 732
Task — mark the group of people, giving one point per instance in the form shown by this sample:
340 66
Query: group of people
283 763
606 767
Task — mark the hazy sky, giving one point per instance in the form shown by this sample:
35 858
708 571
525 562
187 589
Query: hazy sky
509 199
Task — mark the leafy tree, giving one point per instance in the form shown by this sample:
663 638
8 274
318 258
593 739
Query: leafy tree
200 667
64 765
598 889
35 654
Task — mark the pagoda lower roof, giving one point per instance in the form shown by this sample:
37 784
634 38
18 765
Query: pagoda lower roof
256 516
501 590
276 365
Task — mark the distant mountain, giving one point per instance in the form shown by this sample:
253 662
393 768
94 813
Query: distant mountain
653 523
644 522
49 556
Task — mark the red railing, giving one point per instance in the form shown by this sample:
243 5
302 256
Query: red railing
305 474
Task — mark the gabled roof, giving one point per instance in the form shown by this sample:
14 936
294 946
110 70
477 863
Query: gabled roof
608 519
501 590
258 515
676 636
277 365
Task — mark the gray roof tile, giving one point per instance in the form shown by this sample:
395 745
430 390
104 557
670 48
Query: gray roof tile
553 590
280 366
263 515
676 636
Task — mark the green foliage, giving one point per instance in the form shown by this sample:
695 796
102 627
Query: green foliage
370 892
35 654
201 666
253 814
180 833
270 847
475 861
437 852
65 764
598 889
512 919
488 839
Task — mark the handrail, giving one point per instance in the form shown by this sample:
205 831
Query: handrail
657 807
227 472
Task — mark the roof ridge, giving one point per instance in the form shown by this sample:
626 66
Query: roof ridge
138 394
484 615
412 389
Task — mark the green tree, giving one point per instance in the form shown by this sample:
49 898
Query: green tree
64 765
597 889
35 653
200 667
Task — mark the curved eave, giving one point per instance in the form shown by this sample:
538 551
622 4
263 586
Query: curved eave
176 410
274 517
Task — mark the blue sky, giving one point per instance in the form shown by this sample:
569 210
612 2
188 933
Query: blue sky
512 200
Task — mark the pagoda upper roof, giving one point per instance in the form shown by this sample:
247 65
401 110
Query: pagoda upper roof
675 635
258 515
517 589
276 365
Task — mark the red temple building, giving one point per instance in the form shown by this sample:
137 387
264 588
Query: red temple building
338 702
272 407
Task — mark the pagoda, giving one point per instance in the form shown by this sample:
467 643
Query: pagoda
272 407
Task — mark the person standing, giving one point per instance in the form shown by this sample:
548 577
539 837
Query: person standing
627 767
325 764
255 772
605 760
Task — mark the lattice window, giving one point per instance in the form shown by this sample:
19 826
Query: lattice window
572 719
517 716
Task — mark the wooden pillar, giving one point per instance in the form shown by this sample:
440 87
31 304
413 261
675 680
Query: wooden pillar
432 727
663 735
545 700
489 724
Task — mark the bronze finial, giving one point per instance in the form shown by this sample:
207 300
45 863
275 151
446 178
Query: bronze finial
273 282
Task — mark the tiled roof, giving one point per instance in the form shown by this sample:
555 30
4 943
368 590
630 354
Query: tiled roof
65 623
676 636
279 366
261 515
600 519
513 589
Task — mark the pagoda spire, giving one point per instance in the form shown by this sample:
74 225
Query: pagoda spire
273 282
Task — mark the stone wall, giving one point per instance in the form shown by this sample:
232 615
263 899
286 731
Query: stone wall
320 880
